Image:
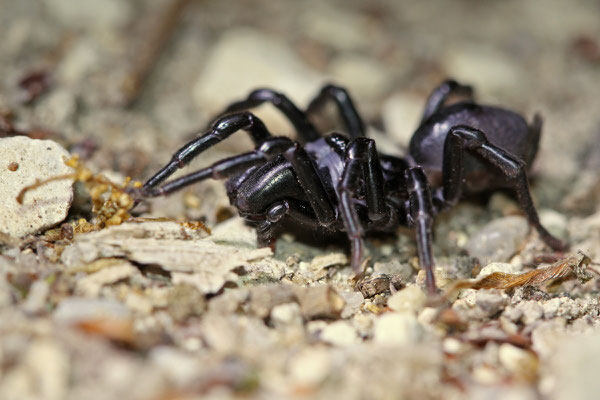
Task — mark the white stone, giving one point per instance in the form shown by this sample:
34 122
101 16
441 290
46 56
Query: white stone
86 13
363 77
574 365
336 27
43 207
181 368
91 284
401 116
36 297
520 362
410 299
75 309
310 366
484 68
499 267
243 60
555 222
48 366
397 328
498 240
340 333
394 268
286 314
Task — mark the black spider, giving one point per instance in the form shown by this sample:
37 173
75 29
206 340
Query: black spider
341 183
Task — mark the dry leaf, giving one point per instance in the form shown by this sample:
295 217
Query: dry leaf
567 268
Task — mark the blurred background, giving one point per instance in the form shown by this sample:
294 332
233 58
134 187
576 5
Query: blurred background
125 83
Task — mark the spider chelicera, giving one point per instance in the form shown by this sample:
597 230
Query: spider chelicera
341 183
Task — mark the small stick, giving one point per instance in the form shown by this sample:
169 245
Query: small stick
159 36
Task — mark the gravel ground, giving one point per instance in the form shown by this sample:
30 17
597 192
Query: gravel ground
164 310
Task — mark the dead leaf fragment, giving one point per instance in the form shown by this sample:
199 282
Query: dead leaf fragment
567 268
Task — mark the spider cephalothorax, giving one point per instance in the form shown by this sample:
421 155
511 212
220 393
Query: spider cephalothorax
340 183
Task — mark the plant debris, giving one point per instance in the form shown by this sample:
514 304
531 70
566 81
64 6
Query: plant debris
567 268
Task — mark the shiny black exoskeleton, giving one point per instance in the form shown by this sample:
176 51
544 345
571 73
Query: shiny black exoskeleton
340 183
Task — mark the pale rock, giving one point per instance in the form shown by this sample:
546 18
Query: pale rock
532 311
90 285
397 329
43 207
411 299
401 114
498 240
522 363
76 309
78 62
484 68
574 365
310 366
443 277
353 302
548 336
48 366
36 297
328 260
138 303
5 292
394 268
105 14
453 346
286 314
502 392
234 231
363 77
56 109
555 222
505 268
490 301
243 60
339 333
179 367
486 375
319 301
336 27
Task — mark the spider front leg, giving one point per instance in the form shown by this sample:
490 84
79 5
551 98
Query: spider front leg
463 139
222 169
220 130
362 163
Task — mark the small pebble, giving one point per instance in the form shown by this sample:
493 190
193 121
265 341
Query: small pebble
397 328
339 333
498 240
411 299
499 267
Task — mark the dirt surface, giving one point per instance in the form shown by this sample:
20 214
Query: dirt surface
165 310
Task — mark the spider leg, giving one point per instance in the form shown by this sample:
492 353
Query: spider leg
341 97
440 94
464 138
220 130
420 211
222 169
362 162
312 184
303 126
265 233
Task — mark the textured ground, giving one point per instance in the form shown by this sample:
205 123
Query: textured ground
157 310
